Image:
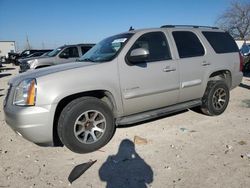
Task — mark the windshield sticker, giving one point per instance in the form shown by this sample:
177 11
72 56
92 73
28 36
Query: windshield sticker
119 40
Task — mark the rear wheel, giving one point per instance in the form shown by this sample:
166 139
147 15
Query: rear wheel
246 68
85 125
216 98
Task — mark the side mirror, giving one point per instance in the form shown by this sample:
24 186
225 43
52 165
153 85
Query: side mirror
138 55
64 55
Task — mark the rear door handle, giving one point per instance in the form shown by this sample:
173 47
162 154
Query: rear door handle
169 69
204 63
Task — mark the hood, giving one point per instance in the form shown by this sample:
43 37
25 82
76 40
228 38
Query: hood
25 60
47 70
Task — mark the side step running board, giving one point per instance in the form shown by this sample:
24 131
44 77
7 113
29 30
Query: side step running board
135 118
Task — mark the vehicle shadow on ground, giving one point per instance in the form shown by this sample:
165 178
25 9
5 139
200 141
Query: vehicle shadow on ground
4 75
151 120
244 86
126 168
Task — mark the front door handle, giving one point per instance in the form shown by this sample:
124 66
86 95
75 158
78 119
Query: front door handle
169 69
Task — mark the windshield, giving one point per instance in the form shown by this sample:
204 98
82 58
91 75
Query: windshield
25 53
45 54
54 52
107 49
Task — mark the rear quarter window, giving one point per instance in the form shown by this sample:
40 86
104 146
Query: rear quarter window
221 42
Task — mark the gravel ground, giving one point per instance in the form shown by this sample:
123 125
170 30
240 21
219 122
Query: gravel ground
187 149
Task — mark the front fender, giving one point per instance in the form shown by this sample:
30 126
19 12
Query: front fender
51 89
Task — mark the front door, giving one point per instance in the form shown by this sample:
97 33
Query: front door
151 84
69 54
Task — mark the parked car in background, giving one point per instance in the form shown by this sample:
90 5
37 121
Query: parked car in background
245 51
2 60
37 54
126 78
32 56
63 54
27 53
13 57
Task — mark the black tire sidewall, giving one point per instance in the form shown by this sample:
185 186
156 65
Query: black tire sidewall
210 107
72 112
246 67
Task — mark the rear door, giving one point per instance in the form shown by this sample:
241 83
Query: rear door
151 84
192 62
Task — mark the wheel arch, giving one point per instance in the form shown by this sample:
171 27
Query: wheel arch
104 95
222 75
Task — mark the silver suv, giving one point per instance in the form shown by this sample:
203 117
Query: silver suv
126 78
63 54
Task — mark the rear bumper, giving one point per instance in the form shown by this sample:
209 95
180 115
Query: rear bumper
33 123
237 78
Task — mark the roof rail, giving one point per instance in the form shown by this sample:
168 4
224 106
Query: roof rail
193 26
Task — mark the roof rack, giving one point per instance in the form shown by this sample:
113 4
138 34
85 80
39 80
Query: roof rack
192 26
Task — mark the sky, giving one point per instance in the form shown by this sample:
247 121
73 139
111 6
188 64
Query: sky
51 23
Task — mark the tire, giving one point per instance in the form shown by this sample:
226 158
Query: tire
216 98
246 68
85 125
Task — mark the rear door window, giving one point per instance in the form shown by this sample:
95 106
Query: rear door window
221 42
188 44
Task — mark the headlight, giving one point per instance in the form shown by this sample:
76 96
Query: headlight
32 63
25 93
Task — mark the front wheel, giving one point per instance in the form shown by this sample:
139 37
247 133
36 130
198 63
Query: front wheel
85 125
216 98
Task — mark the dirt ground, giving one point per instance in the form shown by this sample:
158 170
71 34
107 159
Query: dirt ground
187 149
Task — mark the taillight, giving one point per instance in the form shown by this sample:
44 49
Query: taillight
241 62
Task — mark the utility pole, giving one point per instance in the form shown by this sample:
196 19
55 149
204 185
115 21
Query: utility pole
27 42
16 47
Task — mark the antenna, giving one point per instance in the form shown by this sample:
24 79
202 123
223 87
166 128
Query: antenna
131 28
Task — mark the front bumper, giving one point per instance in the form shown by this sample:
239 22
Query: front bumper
23 67
33 123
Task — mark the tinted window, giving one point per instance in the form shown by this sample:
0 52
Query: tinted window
107 49
156 44
85 49
72 52
188 44
221 42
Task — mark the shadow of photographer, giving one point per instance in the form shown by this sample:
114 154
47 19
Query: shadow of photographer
126 168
